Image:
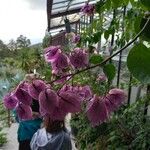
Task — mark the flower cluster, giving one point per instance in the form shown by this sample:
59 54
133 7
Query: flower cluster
61 62
57 104
88 9
99 108
68 99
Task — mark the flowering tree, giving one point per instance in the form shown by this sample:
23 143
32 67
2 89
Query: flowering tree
78 73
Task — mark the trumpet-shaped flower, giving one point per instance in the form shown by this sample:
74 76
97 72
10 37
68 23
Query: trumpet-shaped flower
88 9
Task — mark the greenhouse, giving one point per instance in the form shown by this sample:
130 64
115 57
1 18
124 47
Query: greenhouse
77 77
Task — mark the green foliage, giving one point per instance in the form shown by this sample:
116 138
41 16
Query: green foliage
110 71
3 138
138 62
126 130
96 59
146 3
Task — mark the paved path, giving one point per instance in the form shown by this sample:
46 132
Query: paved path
12 143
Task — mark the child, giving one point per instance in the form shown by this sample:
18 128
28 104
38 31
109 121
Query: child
28 128
53 136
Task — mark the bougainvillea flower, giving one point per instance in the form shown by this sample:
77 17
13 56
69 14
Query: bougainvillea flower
48 100
58 113
96 111
70 102
61 62
76 39
88 9
51 53
23 85
114 99
23 96
10 101
101 78
86 92
24 112
35 88
79 58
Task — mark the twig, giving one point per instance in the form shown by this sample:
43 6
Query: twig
107 59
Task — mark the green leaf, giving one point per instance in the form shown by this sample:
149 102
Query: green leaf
138 63
96 59
146 3
110 71
117 3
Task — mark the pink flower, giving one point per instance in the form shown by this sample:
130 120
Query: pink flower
88 9
76 39
48 100
61 62
96 111
51 53
58 114
114 99
86 92
35 88
79 58
24 112
10 101
70 102
23 96
102 78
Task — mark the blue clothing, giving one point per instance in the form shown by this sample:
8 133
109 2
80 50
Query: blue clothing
28 128
43 140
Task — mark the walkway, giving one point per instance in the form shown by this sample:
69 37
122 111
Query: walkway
12 143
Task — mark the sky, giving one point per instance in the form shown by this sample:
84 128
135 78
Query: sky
23 17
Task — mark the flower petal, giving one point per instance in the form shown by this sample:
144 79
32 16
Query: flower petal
48 100
23 96
70 102
96 111
35 88
10 101
24 111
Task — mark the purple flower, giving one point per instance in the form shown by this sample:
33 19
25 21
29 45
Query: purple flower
10 101
48 100
24 112
76 39
58 114
79 58
114 99
88 9
70 102
35 88
23 96
86 91
96 111
51 53
102 78
61 62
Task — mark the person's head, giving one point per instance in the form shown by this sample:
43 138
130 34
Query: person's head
53 126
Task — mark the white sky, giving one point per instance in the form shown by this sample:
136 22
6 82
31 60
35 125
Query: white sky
26 17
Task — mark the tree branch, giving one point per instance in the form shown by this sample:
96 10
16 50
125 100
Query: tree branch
107 59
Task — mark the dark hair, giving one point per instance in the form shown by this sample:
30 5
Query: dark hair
53 126
35 105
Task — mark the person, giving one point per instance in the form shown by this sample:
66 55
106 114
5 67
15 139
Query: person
53 136
27 128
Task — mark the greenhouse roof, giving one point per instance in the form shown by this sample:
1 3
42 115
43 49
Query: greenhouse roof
58 10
